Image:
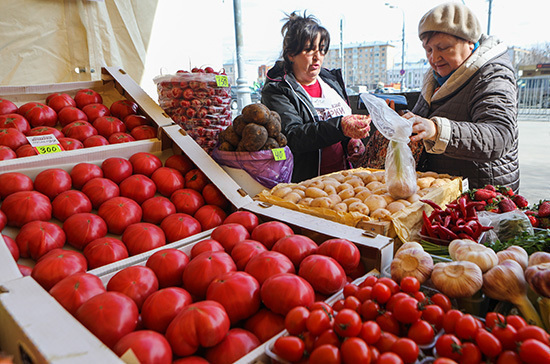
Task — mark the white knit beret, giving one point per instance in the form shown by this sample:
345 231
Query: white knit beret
451 18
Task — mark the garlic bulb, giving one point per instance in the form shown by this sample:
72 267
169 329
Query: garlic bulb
457 279
539 257
458 243
408 245
412 262
516 253
484 257
538 277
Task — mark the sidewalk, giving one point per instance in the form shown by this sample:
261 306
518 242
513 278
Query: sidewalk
534 160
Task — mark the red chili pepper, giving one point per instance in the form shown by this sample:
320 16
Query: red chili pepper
447 221
450 235
432 204
462 206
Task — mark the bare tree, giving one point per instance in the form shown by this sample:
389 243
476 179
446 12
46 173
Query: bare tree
537 54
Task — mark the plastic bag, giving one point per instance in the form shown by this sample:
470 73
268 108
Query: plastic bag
506 225
260 165
400 167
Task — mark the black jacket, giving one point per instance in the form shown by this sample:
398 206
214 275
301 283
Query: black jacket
306 135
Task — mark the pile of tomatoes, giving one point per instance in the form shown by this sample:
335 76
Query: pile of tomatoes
380 321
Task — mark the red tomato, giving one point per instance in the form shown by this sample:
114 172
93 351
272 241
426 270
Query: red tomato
295 320
488 343
493 318
470 354
508 357
369 309
409 284
394 287
95 141
143 236
69 114
327 337
343 251
421 332
60 101
160 308
84 97
148 346
290 348
295 247
131 121
7 153
245 250
26 271
44 130
370 332
12 246
269 232
136 282
203 269
444 361
106 250
466 327
236 344
94 111
71 292
388 322
442 301
56 265
119 213
12 138
26 206
79 130
517 321
394 300
506 334
168 265
245 218
347 323
179 226
406 349
201 324
138 187
326 354
448 345
533 332
109 316
123 108
25 150
116 169
82 228
14 121
389 358
384 344
324 273
265 324
213 196
41 115
145 163
381 292
281 292
107 126
533 351
210 216
355 350
51 182
167 180
156 209
11 182
238 292
36 238
206 245
228 235
70 202
434 315
196 179
187 200
267 264
143 132
7 107
180 162
450 319
83 172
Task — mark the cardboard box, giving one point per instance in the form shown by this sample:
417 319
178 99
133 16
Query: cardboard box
34 329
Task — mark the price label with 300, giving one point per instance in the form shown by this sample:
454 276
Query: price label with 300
48 149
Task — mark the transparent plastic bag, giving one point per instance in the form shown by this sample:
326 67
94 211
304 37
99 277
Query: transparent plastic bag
400 167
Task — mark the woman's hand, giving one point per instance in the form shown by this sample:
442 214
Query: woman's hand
422 128
356 126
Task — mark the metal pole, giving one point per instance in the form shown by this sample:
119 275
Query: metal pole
342 49
489 17
243 91
403 54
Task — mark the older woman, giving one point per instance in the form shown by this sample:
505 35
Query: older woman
466 114
311 101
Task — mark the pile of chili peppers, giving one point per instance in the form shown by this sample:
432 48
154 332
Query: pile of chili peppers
457 221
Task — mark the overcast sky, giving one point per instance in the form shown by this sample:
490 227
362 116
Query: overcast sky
518 23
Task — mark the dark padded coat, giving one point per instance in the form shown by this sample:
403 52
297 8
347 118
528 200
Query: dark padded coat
476 114
306 135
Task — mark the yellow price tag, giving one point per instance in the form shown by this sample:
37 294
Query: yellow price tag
48 149
222 81
279 154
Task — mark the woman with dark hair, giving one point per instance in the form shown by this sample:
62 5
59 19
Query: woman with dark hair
311 101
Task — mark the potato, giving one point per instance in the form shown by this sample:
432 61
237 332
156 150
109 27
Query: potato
328 181
281 140
374 185
273 125
381 214
380 190
340 207
292 197
300 187
281 191
395 207
323 202
380 176
305 201
351 200
363 194
438 183
359 189
330 189
317 183
370 178
358 207
256 113
429 174
335 199
347 193
355 182
375 202
405 202
315 192
254 137
344 186
424 182
415 197
425 191
362 174
389 199
338 176
300 192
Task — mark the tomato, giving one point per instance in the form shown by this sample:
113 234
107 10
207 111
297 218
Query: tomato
193 359
369 310
327 337
41 115
149 347
45 130
25 150
470 354
434 315
168 265
179 226
369 281
70 202
267 264
196 179
167 180
138 187
268 233
156 209
450 319
70 143
347 323
394 300
106 250
517 321
444 361
228 235
387 339
145 163
132 121
7 107
394 287
69 114
350 289
60 101
236 344
11 182
26 271
136 282
295 320
324 273
381 292
187 200
206 245
442 301
265 324
160 307
325 354
533 351
407 310
343 251
213 196
210 216
370 332
421 332
95 141
56 265
36 238
448 345
12 138
71 292
119 213
388 322
493 318
143 132
81 228
180 162
123 108
203 269
143 236
26 206
238 292
352 303
7 153
12 247
108 126
200 324
295 247
409 284
83 172
245 218
245 250
94 111
466 327
116 169
508 357
389 358
506 334
87 96
80 130
109 316
51 182
533 332
406 349
15 121
290 348
283 291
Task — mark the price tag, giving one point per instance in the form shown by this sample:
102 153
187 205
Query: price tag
45 144
279 154
222 81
